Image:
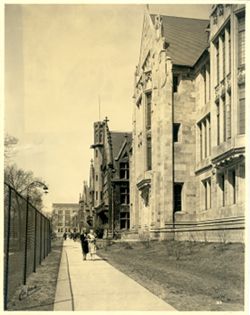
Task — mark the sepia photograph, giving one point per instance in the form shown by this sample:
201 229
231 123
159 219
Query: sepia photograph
124 157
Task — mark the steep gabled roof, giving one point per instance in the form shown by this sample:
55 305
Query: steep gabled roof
70 205
187 38
118 139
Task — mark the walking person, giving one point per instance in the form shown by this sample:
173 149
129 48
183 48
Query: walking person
92 244
84 243
65 236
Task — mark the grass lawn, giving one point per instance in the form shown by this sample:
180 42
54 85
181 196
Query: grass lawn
45 279
190 276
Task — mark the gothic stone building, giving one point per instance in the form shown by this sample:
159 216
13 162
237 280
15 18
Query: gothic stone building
109 180
63 217
84 216
188 148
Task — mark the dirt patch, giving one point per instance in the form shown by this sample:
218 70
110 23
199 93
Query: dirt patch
190 276
42 284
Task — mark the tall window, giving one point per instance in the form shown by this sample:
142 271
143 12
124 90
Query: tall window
124 220
149 153
241 40
205 137
224 118
176 129
207 193
228 116
200 137
175 83
241 110
218 122
209 135
208 86
221 181
148 110
229 48
124 170
241 62
67 219
223 55
96 195
178 196
217 62
124 195
204 83
232 182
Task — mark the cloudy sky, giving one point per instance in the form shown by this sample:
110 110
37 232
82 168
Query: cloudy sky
58 59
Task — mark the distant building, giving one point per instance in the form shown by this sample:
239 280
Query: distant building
63 215
188 154
109 182
85 213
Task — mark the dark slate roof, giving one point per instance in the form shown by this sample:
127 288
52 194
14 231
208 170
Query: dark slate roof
71 205
186 37
118 139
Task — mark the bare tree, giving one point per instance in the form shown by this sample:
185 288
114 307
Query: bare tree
20 180
9 147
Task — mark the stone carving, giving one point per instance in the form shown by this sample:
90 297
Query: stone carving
138 91
241 76
218 11
139 139
144 186
162 76
148 76
147 63
158 26
217 92
228 82
145 195
222 88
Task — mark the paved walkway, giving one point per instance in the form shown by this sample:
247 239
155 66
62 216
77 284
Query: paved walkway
97 286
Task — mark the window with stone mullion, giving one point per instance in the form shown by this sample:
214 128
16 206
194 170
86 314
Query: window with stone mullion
223 56
241 40
217 62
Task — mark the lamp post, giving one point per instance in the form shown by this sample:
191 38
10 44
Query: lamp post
45 188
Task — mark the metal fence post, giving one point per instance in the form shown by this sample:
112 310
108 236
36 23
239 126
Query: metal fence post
41 225
35 247
47 238
49 242
51 231
26 241
6 275
44 239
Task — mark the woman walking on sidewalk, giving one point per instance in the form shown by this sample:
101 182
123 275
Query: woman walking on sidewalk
84 243
92 244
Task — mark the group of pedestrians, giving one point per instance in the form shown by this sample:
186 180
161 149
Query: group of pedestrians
88 242
72 235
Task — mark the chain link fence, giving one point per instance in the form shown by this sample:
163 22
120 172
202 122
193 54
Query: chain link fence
26 240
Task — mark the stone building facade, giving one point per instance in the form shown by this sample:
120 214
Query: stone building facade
188 148
63 215
109 178
85 214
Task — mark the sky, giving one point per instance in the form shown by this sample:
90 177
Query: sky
59 60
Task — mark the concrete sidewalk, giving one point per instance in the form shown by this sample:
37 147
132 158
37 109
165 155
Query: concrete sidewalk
97 286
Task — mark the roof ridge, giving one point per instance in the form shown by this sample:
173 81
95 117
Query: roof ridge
180 17
114 131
